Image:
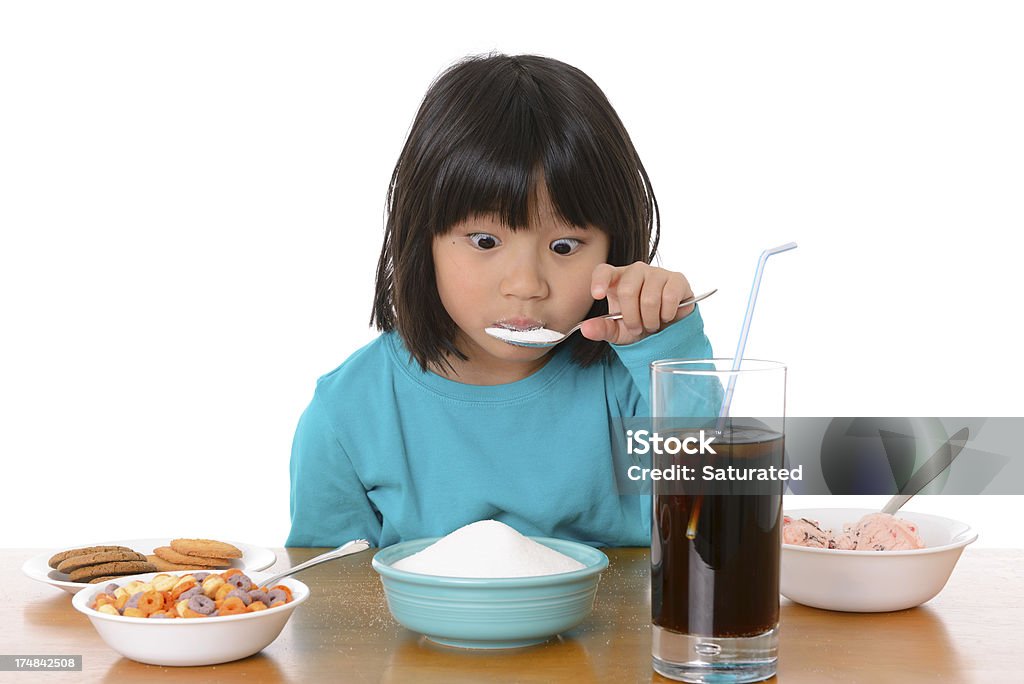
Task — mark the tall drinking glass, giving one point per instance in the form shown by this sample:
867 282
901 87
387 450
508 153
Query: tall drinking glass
715 543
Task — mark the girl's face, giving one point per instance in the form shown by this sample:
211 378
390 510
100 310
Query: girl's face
488 275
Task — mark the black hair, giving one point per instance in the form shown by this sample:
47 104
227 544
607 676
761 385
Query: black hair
491 127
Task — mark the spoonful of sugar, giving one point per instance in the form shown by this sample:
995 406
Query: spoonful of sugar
544 337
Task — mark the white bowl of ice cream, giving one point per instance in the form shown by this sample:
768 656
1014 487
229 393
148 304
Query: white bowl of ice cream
858 576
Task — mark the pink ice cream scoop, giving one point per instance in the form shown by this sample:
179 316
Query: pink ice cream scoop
883 532
873 532
804 532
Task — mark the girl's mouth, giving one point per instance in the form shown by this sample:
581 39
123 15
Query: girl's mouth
518 324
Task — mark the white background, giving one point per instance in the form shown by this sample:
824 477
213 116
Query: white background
192 195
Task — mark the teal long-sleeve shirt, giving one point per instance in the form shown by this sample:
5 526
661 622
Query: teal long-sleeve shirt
388 452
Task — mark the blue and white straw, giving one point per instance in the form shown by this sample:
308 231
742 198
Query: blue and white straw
737 358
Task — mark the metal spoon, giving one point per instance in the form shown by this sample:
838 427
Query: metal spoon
346 549
521 338
928 471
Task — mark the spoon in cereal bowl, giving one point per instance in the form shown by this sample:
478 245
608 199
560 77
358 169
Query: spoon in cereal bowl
543 337
346 549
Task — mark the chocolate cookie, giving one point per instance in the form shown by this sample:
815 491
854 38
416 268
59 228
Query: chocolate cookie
208 548
100 580
76 562
64 555
91 572
163 566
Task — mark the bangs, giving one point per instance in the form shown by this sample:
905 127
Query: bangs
520 132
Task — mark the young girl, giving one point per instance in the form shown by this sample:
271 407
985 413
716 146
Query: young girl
517 201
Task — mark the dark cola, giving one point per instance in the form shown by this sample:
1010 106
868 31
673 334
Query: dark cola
721 579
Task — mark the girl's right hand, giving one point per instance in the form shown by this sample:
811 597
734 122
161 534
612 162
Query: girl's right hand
647 297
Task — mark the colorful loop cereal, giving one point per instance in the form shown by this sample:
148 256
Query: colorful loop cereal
190 593
169 597
105 599
150 602
232 606
201 604
211 584
240 581
164 582
184 579
180 588
223 591
283 588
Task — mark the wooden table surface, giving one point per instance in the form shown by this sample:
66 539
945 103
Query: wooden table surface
971 632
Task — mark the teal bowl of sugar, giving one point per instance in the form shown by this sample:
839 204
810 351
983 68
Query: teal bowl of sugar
485 612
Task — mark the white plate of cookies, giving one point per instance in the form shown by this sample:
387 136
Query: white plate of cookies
74 569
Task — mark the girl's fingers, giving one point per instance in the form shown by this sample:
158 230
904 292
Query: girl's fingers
676 290
603 278
647 298
627 293
601 330
651 299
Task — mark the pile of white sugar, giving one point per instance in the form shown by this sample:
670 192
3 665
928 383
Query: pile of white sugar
487 549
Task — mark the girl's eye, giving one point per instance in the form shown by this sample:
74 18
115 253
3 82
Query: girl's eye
565 246
484 241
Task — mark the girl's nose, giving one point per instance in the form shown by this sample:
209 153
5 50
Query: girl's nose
524 279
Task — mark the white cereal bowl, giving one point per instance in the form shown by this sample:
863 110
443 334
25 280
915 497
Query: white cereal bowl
189 641
872 581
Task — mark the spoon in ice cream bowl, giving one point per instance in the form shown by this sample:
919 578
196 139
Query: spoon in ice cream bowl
346 549
543 337
930 470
